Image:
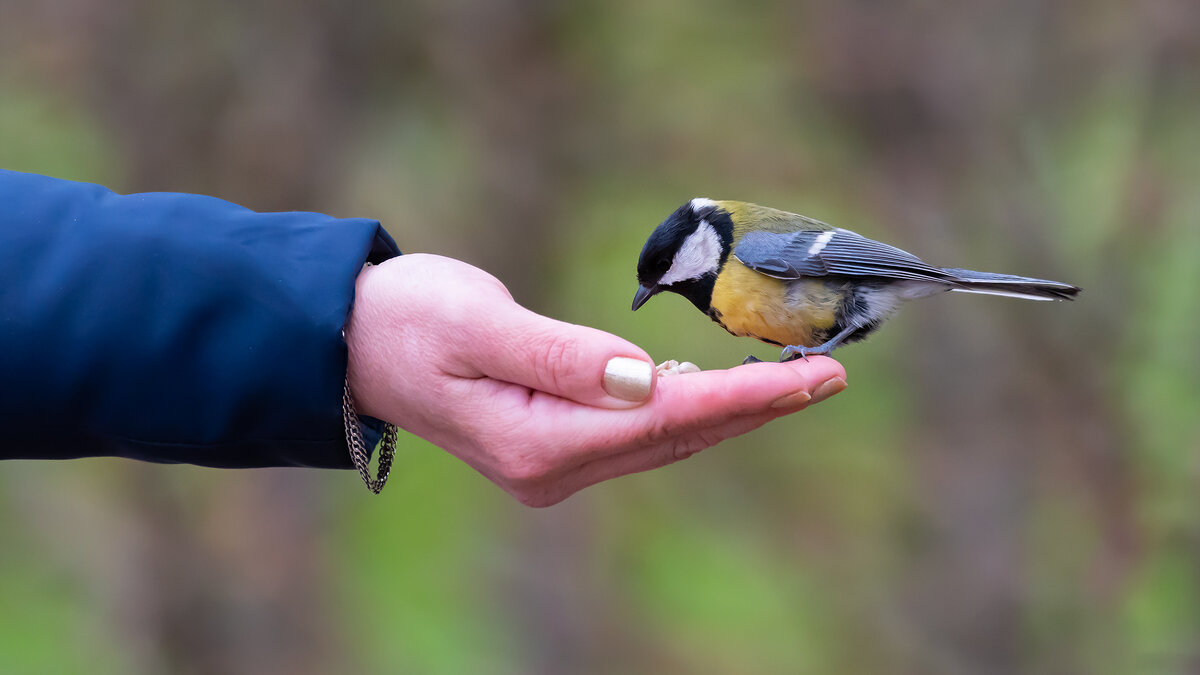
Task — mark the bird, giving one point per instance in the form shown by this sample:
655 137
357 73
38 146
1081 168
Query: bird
796 282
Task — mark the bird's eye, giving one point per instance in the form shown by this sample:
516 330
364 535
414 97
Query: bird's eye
663 265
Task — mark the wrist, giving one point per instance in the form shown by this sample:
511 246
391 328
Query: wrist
361 372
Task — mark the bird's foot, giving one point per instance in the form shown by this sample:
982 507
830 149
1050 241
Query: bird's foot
793 352
751 359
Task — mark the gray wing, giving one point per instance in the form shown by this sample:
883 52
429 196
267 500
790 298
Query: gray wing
790 255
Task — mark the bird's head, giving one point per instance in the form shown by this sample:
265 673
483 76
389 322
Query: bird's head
684 254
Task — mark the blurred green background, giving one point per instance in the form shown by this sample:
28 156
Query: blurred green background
1006 487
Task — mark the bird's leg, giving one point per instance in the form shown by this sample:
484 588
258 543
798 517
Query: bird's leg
792 352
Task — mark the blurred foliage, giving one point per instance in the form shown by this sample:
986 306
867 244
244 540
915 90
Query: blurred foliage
1005 487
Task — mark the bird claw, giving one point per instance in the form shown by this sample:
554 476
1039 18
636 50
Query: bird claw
793 352
751 359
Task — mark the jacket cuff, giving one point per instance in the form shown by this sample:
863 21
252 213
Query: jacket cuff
173 327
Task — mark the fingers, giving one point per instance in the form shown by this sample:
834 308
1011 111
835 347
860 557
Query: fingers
703 399
688 413
685 403
637 461
688 402
574 362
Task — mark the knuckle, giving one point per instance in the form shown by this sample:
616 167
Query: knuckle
684 448
679 448
556 359
664 432
707 439
497 286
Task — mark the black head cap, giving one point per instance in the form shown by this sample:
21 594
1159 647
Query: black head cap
660 267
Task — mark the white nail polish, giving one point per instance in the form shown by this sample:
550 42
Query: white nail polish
628 379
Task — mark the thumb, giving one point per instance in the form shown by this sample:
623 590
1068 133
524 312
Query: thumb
579 363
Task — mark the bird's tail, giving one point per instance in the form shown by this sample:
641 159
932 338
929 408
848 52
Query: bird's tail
968 281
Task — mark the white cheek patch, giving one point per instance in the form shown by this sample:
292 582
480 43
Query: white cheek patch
699 255
821 242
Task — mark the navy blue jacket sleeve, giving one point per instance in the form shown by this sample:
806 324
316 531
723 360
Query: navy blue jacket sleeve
172 327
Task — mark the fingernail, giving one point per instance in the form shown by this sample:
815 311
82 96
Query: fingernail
828 388
628 379
792 400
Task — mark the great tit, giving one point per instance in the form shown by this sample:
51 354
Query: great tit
795 282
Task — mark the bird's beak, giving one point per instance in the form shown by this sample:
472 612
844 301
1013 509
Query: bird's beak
644 293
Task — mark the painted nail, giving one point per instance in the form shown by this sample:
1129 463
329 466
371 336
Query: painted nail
828 388
792 400
628 379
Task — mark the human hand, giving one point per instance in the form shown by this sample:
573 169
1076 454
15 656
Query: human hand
440 349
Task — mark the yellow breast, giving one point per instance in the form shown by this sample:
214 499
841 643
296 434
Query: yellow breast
784 312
